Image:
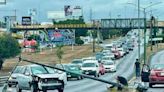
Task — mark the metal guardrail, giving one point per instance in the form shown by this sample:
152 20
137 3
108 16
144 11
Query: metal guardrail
3 80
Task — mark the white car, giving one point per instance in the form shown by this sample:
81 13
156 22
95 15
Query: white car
110 66
122 52
90 67
45 78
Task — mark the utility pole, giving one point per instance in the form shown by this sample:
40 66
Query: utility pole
151 32
139 30
145 36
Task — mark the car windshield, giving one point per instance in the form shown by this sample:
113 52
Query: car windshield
17 69
50 70
108 63
106 58
77 62
73 67
38 70
89 65
158 66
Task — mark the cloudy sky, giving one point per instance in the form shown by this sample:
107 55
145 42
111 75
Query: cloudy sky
100 8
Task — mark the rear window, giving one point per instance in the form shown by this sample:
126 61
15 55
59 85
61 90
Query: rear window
77 62
158 66
89 65
108 63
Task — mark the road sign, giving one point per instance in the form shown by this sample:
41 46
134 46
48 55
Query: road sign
26 20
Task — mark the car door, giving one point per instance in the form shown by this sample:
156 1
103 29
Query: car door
28 77
145 73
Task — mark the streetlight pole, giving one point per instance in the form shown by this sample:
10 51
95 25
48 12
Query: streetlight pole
144 35
139 30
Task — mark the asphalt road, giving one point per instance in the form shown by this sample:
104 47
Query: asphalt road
157 58
125 68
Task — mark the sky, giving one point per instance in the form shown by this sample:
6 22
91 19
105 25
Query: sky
100 8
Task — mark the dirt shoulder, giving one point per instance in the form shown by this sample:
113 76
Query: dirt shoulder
49 56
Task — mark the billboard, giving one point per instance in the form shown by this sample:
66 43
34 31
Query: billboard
56 15
65 37
68 10
72 11
2 1
77 11
26 20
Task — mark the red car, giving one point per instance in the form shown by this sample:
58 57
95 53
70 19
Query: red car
156 75
101 69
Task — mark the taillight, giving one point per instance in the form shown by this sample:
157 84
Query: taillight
152 73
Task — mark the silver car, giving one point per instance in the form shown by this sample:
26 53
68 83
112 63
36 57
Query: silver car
39 78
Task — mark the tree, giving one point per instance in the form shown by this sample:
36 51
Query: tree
79 41
9 47
59 52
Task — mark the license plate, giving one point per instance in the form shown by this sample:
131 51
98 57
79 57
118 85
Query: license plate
86 72
69 75
162 74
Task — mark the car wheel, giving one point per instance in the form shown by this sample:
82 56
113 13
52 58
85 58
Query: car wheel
98 75
43 91
9 85
34 89
79 77
60 90
18 89
150 85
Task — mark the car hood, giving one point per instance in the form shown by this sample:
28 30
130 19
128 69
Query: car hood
48 75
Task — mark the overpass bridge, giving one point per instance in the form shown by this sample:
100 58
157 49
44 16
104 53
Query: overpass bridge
129 23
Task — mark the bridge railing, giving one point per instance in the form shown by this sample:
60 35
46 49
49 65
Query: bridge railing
56 26
3 80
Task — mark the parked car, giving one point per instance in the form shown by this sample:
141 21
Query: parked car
91 68
13 79
156 75
74 68
110 66
39 78
78 62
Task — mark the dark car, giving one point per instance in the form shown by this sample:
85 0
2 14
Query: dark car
75 69
156 75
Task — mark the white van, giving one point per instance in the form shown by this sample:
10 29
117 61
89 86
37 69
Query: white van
91 67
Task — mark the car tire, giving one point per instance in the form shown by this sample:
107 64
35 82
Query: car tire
79 77
18 89
60 90
43 91
150 85
98 75
9 85
34 89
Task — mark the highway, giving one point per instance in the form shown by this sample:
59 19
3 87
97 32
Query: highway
125 68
